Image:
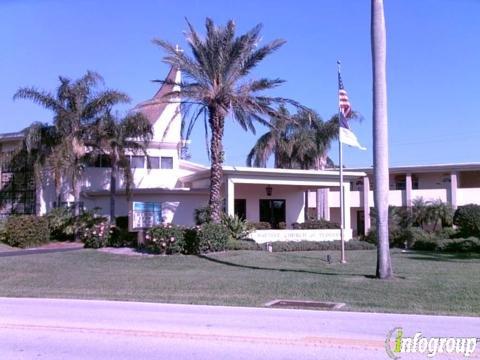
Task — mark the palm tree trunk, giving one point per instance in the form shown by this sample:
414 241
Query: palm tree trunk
380 138
113 191
58 188
216 120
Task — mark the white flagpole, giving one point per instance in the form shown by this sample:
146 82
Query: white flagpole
342 195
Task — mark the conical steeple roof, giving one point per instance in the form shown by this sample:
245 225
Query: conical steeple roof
153 108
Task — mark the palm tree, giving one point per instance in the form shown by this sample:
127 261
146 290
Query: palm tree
44 146
274 142
301 143
75 105
380 138
217 83
117 138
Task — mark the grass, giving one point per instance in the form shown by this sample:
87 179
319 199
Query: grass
425 282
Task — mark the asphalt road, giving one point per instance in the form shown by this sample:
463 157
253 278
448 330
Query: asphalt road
78 329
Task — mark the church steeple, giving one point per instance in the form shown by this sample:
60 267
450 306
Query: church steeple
164 113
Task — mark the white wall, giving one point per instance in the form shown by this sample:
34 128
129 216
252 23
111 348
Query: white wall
178 208
293 196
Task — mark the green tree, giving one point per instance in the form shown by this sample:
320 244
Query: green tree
46 151
380 137
218 84
75 105
117 139
299 143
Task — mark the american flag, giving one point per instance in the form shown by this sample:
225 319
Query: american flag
343 102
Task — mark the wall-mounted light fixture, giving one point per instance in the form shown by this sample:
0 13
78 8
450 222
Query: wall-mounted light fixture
269 190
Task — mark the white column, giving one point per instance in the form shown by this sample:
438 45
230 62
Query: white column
346 193
408 190
306 204
366 205
453 189
230 196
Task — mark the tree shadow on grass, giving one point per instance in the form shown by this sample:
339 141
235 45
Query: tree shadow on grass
445 257
251 267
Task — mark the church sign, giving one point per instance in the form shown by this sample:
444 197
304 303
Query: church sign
145 215
266 236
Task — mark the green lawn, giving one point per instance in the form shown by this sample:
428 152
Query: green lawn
425 283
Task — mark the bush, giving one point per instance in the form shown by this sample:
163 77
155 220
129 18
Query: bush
446 233
410 236
425 245
165 239
202 215
316 224
282 225
261 225
98 234
242 245
467 218
121 237
238 228
60 223
471 244
398 236
282 246
212 237
26 231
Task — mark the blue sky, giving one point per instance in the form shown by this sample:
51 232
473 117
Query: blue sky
433 62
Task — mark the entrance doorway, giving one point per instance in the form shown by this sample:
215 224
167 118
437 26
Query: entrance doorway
272 211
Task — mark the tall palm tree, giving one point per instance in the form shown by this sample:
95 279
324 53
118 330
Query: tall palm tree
380 138
117 138
217 82
75 104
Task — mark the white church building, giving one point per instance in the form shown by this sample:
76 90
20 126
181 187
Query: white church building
256 194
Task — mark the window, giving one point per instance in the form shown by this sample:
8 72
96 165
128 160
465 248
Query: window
154 162
167 162
137 162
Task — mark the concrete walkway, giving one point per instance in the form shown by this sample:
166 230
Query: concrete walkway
79 329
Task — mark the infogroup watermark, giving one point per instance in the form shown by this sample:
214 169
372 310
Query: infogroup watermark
397 343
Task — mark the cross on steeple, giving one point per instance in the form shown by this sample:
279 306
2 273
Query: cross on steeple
178 49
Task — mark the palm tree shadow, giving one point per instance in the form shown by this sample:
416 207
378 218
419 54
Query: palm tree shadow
251 267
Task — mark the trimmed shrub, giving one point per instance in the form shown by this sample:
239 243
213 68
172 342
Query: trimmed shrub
261 225
212 237
425 245
471 244
242 245
282 246
191 241
165 239
467 218
26 231
282 225
316 224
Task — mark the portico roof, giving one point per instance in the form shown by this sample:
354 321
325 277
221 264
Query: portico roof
252 175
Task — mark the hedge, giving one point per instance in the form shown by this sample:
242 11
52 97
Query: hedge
26 231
